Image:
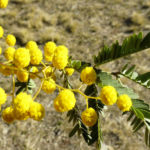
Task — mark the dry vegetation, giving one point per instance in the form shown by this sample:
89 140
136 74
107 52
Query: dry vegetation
84 26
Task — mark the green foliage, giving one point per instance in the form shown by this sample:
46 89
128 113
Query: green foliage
130 45
142 79
77 64
25 86
140 117
106 79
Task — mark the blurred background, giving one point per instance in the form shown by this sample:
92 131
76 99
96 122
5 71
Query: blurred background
84 26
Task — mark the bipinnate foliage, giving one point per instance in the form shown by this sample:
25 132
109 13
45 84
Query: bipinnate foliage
134 43
139 114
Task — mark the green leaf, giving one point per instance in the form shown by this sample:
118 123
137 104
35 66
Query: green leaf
130 45
106 79
142 79
77 64
74 130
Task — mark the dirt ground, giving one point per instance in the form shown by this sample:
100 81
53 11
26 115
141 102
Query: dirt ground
84 26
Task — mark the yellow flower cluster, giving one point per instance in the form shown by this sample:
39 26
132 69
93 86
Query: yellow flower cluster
22 75
9 53
11 40
1 31
3 96
3 3
89 117
69 71
108 96
49 86
65 101
88 75
22 108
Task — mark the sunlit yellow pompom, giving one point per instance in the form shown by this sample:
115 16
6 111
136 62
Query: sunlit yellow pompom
31 45
88 75
33 70
124 102
3 3
36 56
0 50
108 95
49 86
1 31
3 96
48 71
8 114
60 58
22 75
49 49
69 71
11 40
21 57
65 101
89 117
36 111
9 53
21 105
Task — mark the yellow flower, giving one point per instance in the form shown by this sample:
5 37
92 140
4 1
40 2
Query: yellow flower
49 49
36 111
65 101
11 40
88 75
21 57
33 70
8 114
21 105
3 96
60 58
89 117
9 53
36 56
69 71
48 71
31 45
22 75
3 3
108 95
49 86
124 102
1 31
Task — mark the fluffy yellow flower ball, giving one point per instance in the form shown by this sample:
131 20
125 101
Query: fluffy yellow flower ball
8 114
124 102
3 96
88 75
3 3
60 58
36 56
65 101
1 31
11 40
22 75
36 111
21 57
21 105
48 71
49 49
89 117
69 71
9 53
31 45
108 95
33 70
49 86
